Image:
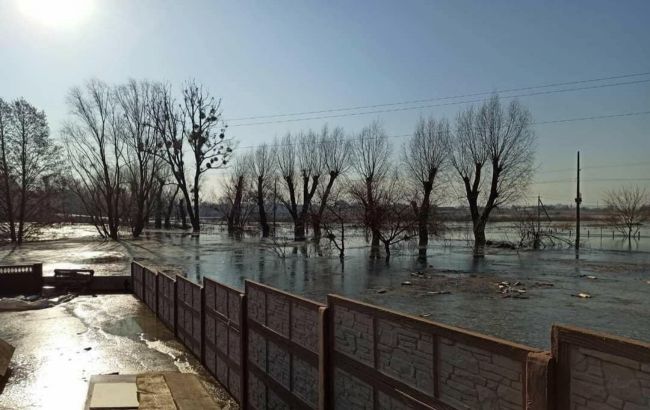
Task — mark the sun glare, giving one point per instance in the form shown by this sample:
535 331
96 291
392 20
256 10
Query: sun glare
56 13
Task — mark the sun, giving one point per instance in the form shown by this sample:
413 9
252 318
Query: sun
56 13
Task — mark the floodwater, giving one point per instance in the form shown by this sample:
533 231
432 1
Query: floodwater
620 283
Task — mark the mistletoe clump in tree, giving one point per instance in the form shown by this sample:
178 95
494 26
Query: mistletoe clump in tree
192 140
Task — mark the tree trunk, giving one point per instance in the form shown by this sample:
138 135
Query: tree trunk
170 209
387 249
316 226
234 216
183 213
138 227
479 240
299 228
266 229
374 245
159 207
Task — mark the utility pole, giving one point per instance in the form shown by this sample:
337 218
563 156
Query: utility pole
539 210
578 202
537 233
275 203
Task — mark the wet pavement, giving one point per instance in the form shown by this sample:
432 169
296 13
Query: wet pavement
58 349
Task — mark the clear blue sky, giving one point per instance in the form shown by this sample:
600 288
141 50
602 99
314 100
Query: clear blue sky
274 57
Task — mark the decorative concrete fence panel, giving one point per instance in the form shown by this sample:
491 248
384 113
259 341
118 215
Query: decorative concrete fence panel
189 307
286 353
21 279
138 280
167 300
599 371
150 289
387 360
224 344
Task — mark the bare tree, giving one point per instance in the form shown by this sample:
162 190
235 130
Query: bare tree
299 163
262 169
169 197
193 140
29 166
424 157
395 215
337 214
236 186
335 154
7 171
493 154
371 162
627 209
143 168
96 154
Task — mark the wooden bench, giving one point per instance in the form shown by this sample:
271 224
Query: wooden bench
73 279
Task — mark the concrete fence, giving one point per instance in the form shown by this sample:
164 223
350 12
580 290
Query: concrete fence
272 349
26 279
597 371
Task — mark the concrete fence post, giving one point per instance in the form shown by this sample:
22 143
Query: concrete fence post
539 381
37 271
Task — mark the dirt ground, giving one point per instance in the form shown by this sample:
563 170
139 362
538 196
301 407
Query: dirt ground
58 349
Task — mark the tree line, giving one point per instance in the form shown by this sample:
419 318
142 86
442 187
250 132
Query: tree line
139 151
128 151
486 155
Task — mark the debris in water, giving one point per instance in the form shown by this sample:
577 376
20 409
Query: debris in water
382 290
517 290
425 314
439 292
406 283
581 295
544 284
418 274
588 276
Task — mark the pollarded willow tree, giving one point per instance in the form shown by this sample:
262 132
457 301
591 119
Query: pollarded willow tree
425 156
493 154
335 154
262 164
192 140
300 166
371 162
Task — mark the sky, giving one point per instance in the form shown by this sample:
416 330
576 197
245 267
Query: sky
283 57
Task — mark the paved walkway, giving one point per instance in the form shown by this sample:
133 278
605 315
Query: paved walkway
58 349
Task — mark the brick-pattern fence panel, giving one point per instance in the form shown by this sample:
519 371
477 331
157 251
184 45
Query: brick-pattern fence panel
167 300
137 273
189 301
21 279
224 343
599 371
383 359
150 289
286 351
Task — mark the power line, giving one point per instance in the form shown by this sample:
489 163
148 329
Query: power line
507 90
441 104
596 117
622 165
629 114
591 180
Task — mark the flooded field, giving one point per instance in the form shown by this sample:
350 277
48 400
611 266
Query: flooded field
452 287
